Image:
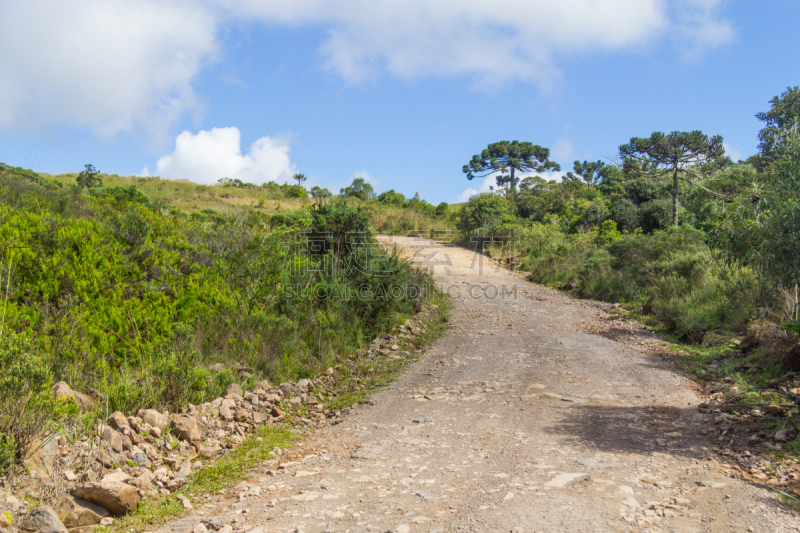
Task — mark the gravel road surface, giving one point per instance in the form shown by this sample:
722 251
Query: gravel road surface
517 420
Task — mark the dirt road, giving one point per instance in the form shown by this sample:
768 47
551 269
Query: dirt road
516 420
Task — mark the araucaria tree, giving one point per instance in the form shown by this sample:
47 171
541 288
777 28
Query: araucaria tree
685 155
590 172
505 158
300 178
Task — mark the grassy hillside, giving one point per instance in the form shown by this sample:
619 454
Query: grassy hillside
270 199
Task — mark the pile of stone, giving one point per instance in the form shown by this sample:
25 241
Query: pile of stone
90 481
388 345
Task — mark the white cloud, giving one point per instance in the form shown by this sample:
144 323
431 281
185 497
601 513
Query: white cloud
557 175
494 42
562 151
105 64
700 28
734 152
484 186
208 156
109 65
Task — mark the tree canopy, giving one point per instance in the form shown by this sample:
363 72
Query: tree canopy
589 172
89 177
358 189
762 228
505 158
319 193
784 113
686 155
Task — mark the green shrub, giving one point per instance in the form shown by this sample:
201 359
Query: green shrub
123 195
136 300
26 403
483 213
671 274
336 226
656 214
8 453
359 188
762 228
294 218
392 198
294 191
594 215
625 213
319 193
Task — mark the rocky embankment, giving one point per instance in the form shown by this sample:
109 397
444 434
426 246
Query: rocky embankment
90 481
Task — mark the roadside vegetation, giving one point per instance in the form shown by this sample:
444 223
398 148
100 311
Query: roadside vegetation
147 293
700 248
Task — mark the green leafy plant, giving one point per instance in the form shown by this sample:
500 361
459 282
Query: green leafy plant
25 400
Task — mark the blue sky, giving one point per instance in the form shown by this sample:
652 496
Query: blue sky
400 92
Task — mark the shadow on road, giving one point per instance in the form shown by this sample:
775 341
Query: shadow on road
643 431
636 430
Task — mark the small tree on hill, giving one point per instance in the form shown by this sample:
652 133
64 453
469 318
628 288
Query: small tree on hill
300 178
318 193
89 177
358 189
685 155
506 158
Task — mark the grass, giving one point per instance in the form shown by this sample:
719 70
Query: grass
192 197
788 501
225 473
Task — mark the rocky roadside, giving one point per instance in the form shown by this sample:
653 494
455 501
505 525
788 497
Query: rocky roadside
73 485
750 437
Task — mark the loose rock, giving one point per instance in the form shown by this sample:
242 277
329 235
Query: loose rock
234 388
113 438
154 418
62 390
186 428
75 512
562 480
119 498
40 463
44 520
